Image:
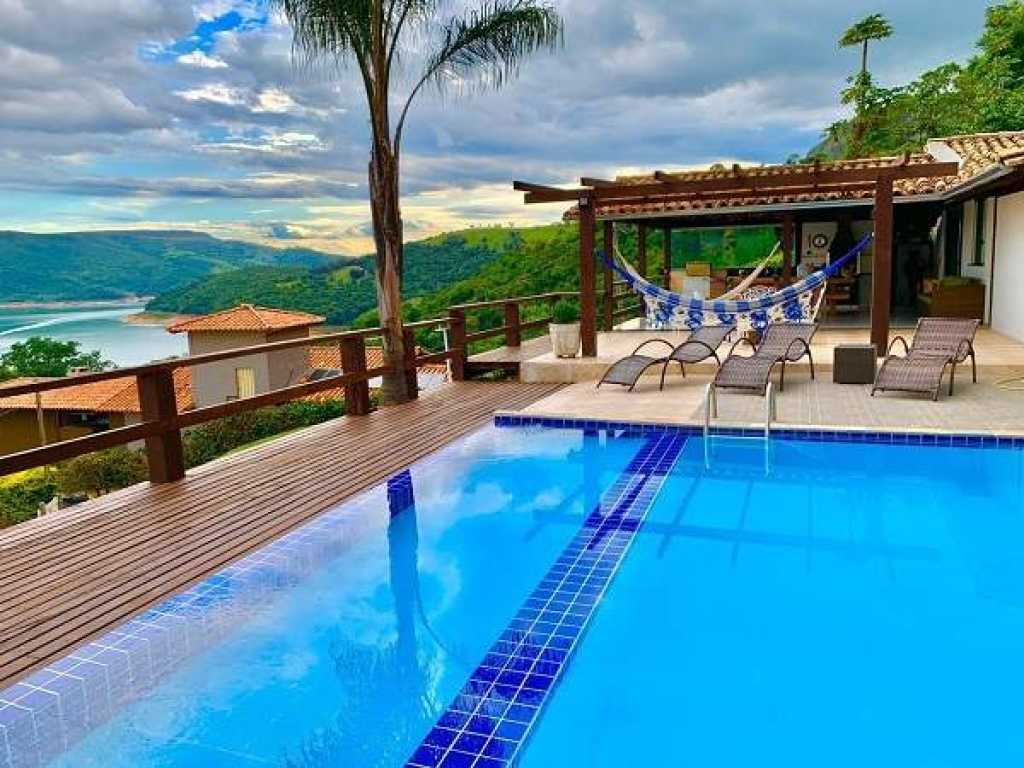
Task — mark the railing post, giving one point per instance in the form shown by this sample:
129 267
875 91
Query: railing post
457 324
164 451
412 382
353 360
513 335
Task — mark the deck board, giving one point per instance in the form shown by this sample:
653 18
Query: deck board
68 578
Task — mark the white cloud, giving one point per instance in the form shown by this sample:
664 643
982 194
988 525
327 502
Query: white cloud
202 61
215 93
274 100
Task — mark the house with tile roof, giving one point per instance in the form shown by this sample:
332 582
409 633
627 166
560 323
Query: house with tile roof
957 240
246 326
63 414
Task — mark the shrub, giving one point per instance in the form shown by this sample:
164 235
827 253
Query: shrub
20 500
566 312
208 441
102 472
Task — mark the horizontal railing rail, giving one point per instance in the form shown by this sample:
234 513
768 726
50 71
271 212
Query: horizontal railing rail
174 363
552 296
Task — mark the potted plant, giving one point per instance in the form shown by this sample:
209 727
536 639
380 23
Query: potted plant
565 329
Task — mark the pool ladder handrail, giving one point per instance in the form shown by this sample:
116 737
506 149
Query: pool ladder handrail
771 413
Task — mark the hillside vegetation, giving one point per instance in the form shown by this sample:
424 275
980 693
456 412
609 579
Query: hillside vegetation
342 293
983 94
112 265
545 259
458 267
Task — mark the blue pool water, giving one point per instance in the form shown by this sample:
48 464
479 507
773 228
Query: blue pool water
598 600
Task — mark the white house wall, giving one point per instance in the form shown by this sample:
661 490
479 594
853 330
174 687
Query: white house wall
1008 280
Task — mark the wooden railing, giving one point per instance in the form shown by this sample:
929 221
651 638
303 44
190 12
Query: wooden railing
162 424
512 329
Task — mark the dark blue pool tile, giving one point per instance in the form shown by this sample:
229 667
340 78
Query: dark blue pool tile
482 725
473 743
440 737
521 713
453 720
458 760
501 748
427 756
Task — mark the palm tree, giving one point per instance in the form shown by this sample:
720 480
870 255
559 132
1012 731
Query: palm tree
482 47
873 27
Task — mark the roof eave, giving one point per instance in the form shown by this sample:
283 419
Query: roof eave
772 208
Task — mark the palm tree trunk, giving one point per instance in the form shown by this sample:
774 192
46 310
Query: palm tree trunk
387 227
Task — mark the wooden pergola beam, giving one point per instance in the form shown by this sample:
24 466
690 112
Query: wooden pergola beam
738 183
819 180
677 197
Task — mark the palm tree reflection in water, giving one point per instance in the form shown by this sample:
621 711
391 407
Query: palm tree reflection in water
388 702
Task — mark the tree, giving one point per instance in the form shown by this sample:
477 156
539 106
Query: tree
43 356
484 46
873 27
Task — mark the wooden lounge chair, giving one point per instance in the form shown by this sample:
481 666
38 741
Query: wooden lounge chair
700 345
781 343
939 342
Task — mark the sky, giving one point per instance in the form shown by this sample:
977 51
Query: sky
192 114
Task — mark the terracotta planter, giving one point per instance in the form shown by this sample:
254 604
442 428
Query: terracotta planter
565 339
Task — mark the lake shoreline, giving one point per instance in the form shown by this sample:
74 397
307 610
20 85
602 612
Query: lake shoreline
82 304
163 319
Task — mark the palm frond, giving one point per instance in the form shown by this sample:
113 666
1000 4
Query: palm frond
327 29
488 45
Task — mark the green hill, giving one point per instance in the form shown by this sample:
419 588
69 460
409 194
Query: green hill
111 265
470 265
342 293
543 259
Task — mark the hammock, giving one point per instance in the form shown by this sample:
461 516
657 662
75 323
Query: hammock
735 293
794 303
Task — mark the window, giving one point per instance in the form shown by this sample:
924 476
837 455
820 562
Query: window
980 216
245 382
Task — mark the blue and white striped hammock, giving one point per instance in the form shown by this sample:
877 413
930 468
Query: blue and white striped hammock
667 309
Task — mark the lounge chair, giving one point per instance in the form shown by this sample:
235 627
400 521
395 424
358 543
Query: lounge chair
780 343
938 342
699 345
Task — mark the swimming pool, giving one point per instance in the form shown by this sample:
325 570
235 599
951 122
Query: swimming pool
560 596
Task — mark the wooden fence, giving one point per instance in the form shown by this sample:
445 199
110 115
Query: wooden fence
162 424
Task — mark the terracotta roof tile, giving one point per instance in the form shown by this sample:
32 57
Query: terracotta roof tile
326 357
978 153
110 396
247 317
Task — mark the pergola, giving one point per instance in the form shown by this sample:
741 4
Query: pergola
643 201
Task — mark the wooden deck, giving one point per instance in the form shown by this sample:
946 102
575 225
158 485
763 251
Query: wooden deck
69 577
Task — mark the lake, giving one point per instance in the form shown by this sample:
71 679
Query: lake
101 328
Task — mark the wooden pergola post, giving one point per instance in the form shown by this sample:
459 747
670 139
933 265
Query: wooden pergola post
641 249
608 305
787 249
588 310
666 248
881 271
641 256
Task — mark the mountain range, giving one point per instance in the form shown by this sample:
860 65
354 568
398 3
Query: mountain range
79 266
